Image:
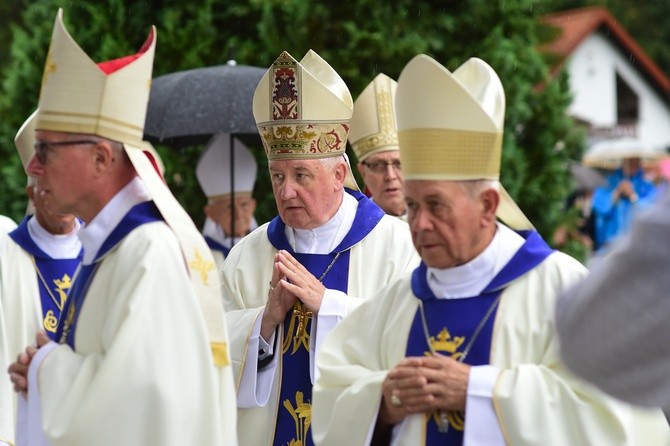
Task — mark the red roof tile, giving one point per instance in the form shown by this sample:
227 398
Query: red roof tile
577 24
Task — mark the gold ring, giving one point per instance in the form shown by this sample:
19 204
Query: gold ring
395 400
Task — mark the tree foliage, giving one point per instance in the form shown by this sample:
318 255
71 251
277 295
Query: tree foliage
359 38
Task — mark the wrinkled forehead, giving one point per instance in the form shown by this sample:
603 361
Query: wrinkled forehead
308 165
420 189
389 155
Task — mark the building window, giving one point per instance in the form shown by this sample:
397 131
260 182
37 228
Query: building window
628 103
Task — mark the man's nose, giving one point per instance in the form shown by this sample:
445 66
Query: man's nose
421 221
287 190
34 167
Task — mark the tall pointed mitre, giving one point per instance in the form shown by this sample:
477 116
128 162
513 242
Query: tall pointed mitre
25 145
373 125
303 110
25 139
109 99
450 126
214 172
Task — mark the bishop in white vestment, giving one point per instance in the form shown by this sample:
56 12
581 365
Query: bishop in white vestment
330 243
141 356
463 351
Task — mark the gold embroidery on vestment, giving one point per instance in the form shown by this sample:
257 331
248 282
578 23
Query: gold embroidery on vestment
201 266
302 416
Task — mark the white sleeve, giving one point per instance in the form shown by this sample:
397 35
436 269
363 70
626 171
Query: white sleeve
29 418
335 305
481 423
256 385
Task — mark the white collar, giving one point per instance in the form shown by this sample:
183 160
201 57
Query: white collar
470 279
94 233
57 246
328 236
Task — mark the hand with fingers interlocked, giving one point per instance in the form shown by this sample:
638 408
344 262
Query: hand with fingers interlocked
300 282
290 282
18 371
423 385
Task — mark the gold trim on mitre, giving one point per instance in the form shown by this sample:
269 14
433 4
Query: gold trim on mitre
25 140
302 109
78 97
450 126
373 124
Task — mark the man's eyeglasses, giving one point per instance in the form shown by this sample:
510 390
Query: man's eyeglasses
382 166
42 147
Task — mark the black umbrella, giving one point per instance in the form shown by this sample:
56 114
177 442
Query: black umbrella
189 107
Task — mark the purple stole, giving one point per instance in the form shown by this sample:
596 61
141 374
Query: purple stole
451 323
216 246
57 274
140 214
295 401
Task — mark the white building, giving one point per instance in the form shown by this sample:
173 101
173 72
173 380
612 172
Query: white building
618 91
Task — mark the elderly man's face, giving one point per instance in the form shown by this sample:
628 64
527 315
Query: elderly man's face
63 171
220 210
307 193
383 176
449 228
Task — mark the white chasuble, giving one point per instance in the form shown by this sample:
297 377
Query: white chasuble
379 250
532 384
135 366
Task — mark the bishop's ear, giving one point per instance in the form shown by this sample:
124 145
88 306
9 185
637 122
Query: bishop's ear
105 154
489 199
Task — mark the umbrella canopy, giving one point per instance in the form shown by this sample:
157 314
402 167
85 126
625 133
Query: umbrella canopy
586 178
609 153
189 107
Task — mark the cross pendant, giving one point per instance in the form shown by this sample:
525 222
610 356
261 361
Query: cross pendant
303 315
443 421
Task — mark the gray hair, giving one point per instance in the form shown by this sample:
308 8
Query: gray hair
474 187
331 162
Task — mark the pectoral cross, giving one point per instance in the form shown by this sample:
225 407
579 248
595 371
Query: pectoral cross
301 337
303 315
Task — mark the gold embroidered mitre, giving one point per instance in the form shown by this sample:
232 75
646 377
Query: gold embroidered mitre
25 139
80 96
450 126
302 109
373 124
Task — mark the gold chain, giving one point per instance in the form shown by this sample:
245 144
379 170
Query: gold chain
443 421
59 305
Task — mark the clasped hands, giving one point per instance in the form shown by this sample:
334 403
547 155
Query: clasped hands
423 385
291 282
626 189
18 371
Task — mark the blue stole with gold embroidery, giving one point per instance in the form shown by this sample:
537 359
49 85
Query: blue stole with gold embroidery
56 274
295 404
138 215
451 323
216 246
